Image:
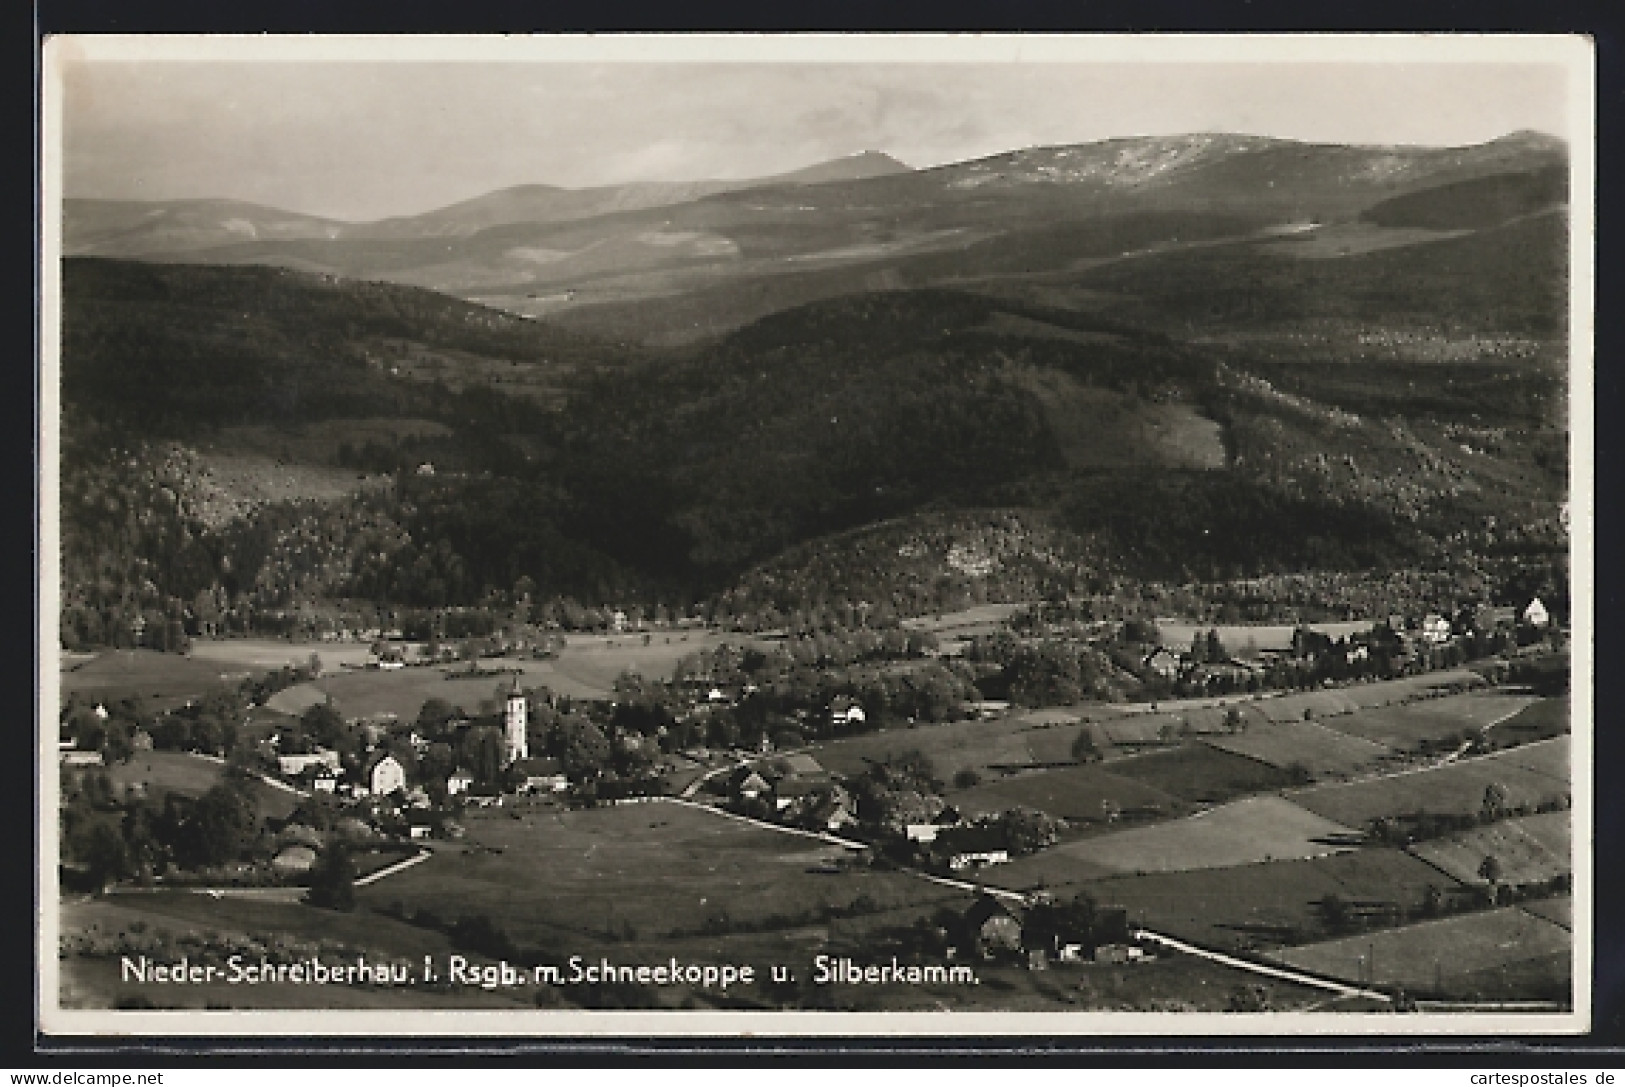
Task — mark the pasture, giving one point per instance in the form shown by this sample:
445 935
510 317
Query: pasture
1531 774
1540 720
1263 905
163 679
179 772
1246 832
645 871
1245 640
1075 793
1334 701
959 745
1404 727
1420 956
1201 774
1532 849
267 654
1319 750
1559 911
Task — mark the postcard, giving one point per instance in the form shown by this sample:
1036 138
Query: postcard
816 535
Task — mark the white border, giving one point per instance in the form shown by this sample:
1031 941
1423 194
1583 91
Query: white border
1573 52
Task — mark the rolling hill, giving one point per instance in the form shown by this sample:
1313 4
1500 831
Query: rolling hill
1027 375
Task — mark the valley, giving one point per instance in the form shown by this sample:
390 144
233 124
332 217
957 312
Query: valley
1136 572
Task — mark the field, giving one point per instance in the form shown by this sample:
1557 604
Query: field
1316 748
265 654
652 870
1245 640
1245 832
1363 696
1421 955
960 745
1530 850
1199 773
1403 727
167 679
1531 774
1542 720
1076 793
1262 905
189 775
1559 911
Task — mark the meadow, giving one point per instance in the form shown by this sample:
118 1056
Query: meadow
1077 793
1245 832
1531 774
1201 774
1266 904
639 872
1246 640
1419 956
1532 849
190 775
1404 727
164 679
1318 749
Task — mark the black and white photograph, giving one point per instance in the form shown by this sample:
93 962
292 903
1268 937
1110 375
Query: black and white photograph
816 534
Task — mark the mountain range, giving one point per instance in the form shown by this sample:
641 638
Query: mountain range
1184 358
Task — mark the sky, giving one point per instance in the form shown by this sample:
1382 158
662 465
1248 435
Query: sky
364 140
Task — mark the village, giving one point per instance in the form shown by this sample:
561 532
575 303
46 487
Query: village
840 749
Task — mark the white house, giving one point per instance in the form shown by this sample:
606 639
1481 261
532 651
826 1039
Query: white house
385 775
459 782
845 712
1535 614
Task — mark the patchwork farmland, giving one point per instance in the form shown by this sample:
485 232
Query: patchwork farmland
1247 831
1532 849
1531 775
1435 956
1266 904
1319 750
640 871
1403 727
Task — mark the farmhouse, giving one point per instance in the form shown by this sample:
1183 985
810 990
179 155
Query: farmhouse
1435 629
976 846
384 775
750 785
459 781
991 927
296 860
1163 663
846 713
1534 613
81 758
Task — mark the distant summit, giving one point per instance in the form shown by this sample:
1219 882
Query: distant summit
864 164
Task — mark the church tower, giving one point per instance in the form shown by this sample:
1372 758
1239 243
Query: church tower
514 718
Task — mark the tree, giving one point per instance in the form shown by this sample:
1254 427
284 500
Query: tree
324 724
332 881
967 779
1084 748
220 826
1494 805
103 851
1489 869
584 749
483 750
